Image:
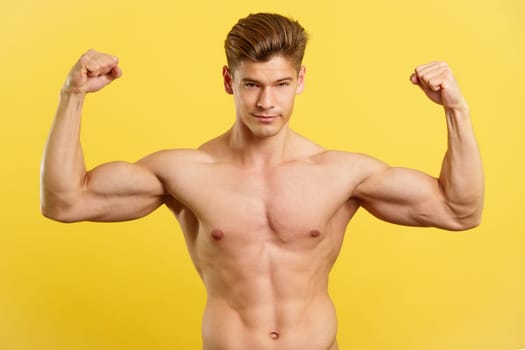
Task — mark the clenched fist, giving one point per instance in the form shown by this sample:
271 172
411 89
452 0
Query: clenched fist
93 71
438 83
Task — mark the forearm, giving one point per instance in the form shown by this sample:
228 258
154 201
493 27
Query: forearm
63 170
461 178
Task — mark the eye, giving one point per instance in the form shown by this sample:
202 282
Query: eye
250 85
283 83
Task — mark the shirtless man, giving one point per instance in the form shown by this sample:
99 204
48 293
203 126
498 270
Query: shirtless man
262 208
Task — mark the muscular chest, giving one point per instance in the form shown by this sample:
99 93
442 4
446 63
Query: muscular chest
288 203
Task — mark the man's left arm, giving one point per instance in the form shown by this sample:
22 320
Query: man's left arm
454 201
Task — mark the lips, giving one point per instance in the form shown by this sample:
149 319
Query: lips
264 117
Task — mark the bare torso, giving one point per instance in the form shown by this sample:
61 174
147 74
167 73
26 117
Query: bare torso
264 241
263 210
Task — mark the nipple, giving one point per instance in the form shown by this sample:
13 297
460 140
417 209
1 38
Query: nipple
274 335
217 234
315 233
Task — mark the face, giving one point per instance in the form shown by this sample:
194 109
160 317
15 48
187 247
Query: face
264 93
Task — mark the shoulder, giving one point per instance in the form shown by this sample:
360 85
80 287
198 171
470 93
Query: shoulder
354 161
359 165
166 160
176 155
360 171
185 158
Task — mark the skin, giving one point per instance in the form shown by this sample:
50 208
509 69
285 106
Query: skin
267 229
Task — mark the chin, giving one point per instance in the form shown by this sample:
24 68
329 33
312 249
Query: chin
264 132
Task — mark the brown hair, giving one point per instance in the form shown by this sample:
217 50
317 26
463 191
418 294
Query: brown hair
261 36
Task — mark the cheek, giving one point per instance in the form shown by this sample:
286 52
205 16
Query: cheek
244 99
240 101
287 100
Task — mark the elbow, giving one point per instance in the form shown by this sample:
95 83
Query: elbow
465 215
467 222
58 205
58 217
56 211
56 214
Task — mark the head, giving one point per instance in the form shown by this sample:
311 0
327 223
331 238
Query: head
261 36
264 72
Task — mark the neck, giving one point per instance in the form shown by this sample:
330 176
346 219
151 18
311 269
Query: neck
261 152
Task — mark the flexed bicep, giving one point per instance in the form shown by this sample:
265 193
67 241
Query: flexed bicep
115 191
406 197
120 191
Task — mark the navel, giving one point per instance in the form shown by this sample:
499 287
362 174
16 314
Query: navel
274 335
217 235
315 233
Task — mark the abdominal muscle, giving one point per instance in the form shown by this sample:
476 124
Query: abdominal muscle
269 301
268 295
286 325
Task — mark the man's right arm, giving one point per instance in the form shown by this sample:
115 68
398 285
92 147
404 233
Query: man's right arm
115 191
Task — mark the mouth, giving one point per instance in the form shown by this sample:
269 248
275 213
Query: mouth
265 118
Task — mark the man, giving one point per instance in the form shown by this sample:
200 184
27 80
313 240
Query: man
269 226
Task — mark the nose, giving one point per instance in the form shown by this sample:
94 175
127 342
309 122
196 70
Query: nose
265 100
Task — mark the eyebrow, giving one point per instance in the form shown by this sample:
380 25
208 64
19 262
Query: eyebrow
251 80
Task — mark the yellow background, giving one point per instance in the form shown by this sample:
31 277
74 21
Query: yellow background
132 285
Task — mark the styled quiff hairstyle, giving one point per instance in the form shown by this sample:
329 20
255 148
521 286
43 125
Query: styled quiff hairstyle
261 36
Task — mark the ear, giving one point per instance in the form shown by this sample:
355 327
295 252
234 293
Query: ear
228 80
300 80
